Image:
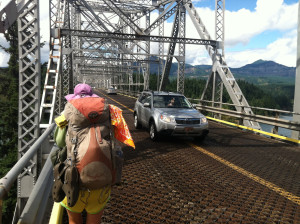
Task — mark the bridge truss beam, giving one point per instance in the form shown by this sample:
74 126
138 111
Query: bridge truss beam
115 27
29 98
220 67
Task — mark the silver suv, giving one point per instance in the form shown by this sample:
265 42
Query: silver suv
169 113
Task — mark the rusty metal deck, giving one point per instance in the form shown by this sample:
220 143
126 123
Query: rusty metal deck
233 176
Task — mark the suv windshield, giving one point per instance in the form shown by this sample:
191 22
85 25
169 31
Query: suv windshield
169 101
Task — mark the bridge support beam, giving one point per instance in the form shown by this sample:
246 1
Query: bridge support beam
296 117
29 98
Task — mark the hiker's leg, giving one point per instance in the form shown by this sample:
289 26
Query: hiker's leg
74 218
94 218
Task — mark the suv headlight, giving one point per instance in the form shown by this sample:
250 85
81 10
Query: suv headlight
167 118
203 120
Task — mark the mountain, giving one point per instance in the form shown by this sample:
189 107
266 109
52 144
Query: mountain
259 72
259 68
263 68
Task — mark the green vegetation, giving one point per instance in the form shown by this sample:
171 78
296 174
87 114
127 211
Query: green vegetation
267 80
269 96
9 119
9 100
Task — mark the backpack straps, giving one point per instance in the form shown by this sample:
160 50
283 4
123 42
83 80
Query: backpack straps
98 134
75 143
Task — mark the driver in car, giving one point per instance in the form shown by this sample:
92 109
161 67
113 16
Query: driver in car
172 102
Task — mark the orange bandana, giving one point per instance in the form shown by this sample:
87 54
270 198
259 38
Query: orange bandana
121 130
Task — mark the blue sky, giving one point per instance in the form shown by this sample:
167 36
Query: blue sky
231 5
234 5
254 29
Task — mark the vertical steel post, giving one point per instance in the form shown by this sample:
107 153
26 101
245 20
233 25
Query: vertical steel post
181 51
160 49
146 68
29 98
220 36
220 23
296 117
67 73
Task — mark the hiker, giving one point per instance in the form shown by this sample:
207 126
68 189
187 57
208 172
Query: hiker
89 142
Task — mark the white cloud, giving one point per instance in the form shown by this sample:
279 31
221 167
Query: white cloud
243 25
3 56
3 59
3 3
44 32
240 27
279 17
282 51
44 29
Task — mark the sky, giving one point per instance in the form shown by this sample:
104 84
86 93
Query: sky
254 30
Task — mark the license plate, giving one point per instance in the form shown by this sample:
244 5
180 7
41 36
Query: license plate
188 129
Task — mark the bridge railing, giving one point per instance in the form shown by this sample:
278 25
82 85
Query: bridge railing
35 207
218 109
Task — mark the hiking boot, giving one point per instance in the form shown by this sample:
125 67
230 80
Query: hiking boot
57 191
71 185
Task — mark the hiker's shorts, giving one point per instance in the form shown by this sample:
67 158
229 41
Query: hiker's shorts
92 201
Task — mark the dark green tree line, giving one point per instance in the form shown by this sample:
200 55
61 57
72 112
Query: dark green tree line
9 99
9 118
275 97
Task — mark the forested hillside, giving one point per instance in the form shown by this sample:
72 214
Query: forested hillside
274 97
9 119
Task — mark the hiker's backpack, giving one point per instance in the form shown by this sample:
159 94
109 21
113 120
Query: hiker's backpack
88 141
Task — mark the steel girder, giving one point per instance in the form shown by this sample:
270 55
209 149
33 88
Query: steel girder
82 59
168 64
181 51
127 33
220 66
220 24
161 29
217 84
93 35
116 34
296 117
29 98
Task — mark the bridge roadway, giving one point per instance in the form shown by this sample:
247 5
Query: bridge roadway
233 176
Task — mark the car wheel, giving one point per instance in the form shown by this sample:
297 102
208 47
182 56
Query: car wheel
137 124
202 137
152 131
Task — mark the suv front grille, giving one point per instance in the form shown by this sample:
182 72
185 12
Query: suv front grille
187 121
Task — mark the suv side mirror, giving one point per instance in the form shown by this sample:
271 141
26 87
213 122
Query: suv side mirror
146 104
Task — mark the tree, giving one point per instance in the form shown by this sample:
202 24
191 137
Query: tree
9 118
12 37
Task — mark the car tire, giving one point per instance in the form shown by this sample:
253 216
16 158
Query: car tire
202 137
153 132
137 124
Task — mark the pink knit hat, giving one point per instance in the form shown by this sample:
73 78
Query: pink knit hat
81 90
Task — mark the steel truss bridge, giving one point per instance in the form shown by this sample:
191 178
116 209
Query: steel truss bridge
104 43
